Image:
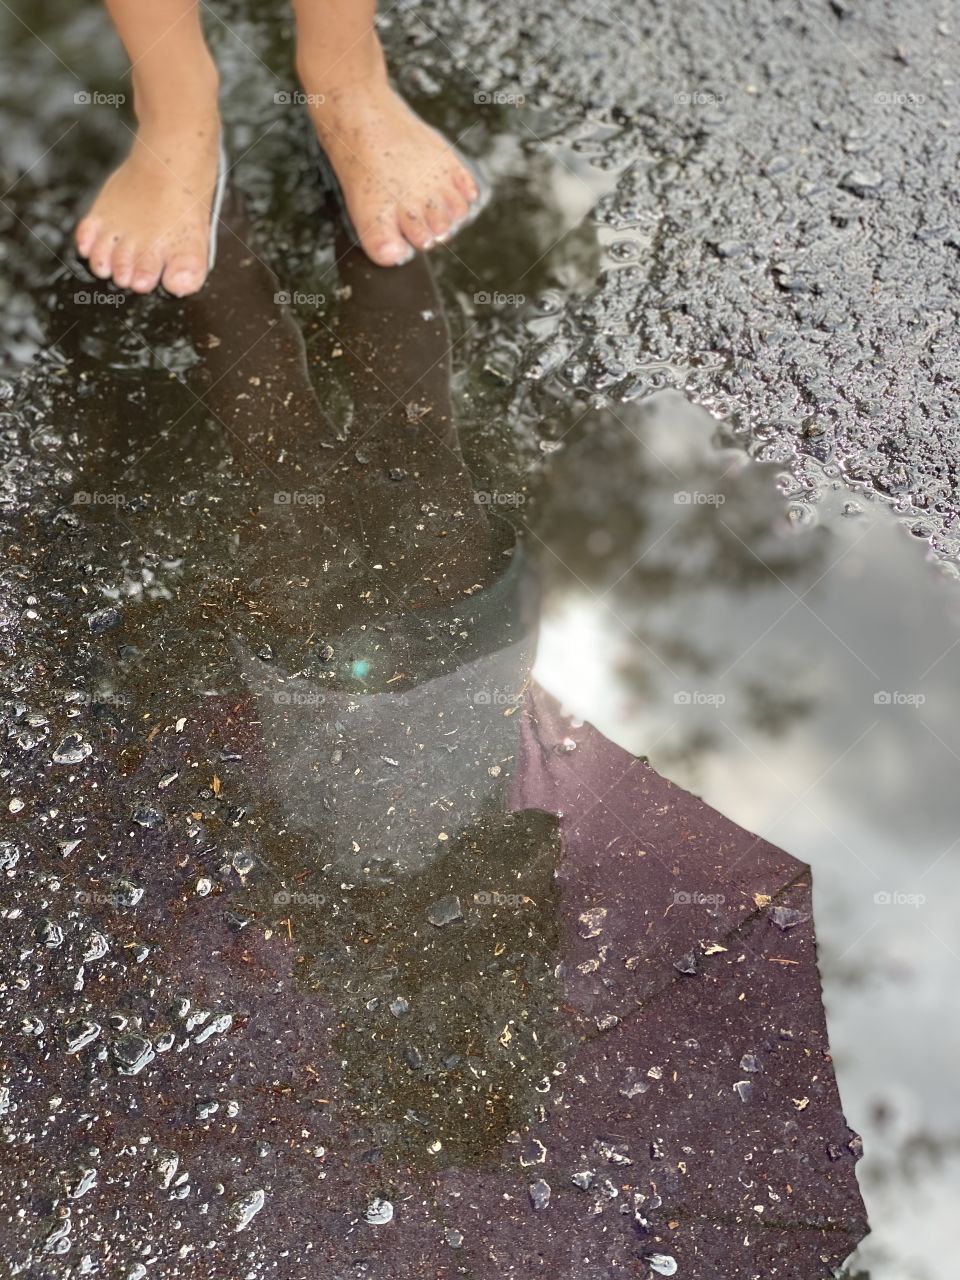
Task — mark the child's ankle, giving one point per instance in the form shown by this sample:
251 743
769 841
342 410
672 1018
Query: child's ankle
188 94
326 70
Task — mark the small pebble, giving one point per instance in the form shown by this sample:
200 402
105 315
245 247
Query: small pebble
72 750
245 1208
445 911
663 1264
539 1194
786 917
862 182
379 1212
591 922
102 620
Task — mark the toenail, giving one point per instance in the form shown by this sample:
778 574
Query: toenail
397 251
183 282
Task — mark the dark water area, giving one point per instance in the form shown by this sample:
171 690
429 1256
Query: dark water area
281 560
315 901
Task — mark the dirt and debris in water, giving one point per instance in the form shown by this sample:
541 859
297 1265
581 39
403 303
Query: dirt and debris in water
258 603
317 929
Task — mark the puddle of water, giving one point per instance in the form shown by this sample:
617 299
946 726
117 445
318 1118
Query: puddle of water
796 666
270 734
229 492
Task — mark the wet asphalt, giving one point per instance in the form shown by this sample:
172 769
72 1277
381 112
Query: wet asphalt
786 209
774 231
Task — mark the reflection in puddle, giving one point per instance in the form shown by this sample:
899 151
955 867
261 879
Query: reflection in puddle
796 666
324 918
256 610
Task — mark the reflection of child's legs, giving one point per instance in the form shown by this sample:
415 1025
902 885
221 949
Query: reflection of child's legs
150 222
404 185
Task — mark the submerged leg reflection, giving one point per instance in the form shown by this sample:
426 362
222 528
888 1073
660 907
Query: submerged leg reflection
297 969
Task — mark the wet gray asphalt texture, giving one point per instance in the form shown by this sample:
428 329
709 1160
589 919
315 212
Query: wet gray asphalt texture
792 183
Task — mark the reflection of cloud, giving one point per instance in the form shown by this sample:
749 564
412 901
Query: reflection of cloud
802 752
673 577
926 1199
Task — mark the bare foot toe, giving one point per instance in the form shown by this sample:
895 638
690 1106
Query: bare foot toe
146 272
124 257
459 208
466 183
387 253
152 217
87 231
391 166
383 242
184 274
101 256
439 218
415 229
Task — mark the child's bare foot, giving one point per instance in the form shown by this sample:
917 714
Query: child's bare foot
405 187
150 223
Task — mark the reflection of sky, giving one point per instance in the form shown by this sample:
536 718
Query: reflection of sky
864 791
